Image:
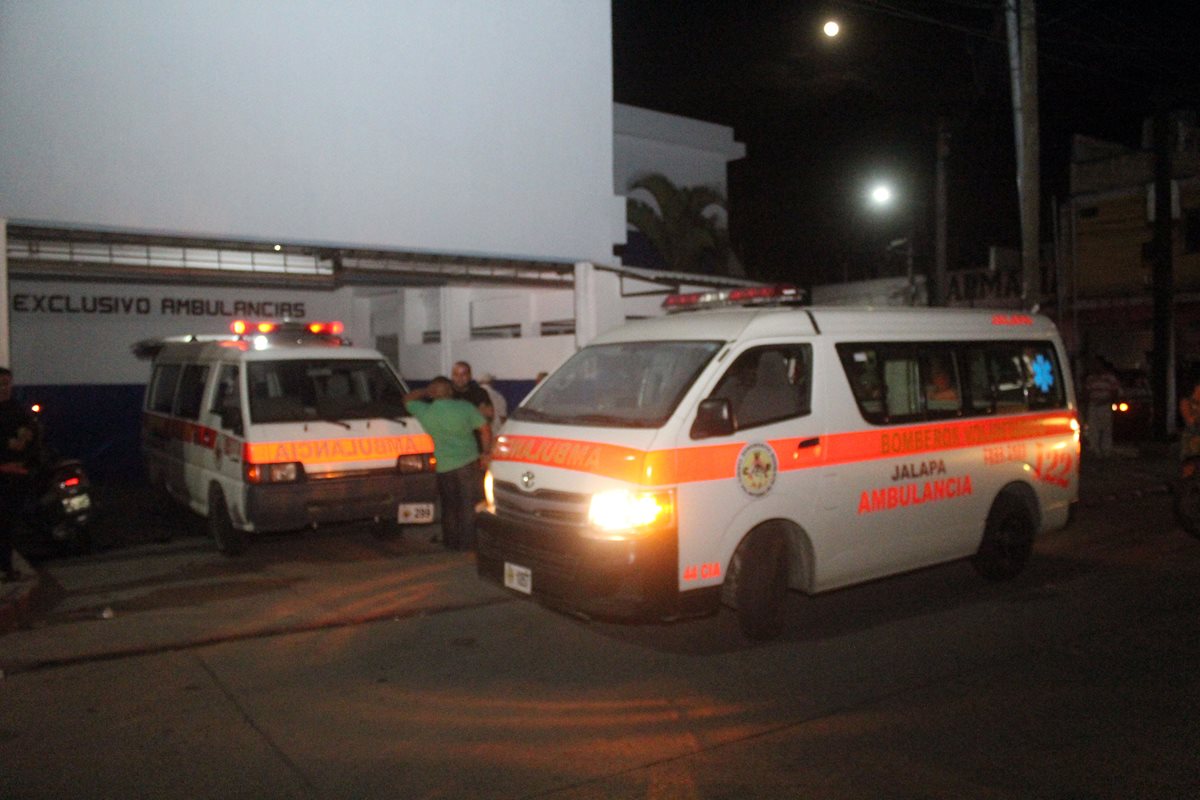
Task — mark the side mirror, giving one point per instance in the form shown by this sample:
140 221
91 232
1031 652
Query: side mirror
231 418
713 418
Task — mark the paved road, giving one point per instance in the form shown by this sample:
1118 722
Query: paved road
346 666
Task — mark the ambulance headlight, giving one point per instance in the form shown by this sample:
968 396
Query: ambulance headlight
621 513
287 472
489 491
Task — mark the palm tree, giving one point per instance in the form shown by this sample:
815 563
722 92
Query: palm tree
688 239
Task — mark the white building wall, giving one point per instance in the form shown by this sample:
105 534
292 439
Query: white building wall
449 126
77 333
688 151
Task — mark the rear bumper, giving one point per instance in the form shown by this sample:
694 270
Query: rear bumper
636 579
288 506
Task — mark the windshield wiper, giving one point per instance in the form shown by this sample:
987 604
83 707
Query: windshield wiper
336 421
605 419
534 415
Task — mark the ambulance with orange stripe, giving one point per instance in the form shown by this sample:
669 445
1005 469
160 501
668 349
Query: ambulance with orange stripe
729 455
281 426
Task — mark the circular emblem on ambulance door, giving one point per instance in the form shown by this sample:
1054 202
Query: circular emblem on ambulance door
527 481
756 469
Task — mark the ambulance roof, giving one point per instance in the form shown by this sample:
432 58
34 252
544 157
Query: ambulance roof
243 350
729 324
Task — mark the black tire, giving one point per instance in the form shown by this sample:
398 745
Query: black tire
1187 503
1007 540
229 539
762 584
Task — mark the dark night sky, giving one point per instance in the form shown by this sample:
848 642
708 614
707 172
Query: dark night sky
820 117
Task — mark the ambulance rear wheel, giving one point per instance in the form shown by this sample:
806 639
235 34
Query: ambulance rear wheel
1007 540
762 584
229 539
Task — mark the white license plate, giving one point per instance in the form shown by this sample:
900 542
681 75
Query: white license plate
518 577
77 503
414 513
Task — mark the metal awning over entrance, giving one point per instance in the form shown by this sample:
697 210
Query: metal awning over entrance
69 254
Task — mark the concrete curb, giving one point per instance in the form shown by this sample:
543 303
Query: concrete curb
16 598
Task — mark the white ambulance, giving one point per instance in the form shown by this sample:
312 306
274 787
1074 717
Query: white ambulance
282 426
728 455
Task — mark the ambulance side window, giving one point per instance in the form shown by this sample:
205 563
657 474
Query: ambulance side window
162 388
191 391
226 395
981 389
896 383
767 384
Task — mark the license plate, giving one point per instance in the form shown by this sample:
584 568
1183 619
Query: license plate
77 503
415 513
518 577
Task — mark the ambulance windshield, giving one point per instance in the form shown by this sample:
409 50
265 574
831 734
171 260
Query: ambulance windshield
331 389
627 385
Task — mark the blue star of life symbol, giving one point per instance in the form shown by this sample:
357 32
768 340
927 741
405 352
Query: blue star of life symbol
1043 373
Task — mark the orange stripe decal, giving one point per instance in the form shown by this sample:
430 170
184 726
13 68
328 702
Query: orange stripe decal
320 451
718 461
312 451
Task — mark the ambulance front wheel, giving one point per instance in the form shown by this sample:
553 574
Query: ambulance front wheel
229 539
761 583
1007 539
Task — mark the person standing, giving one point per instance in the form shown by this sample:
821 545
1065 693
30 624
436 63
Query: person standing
17 441
1102 389
465 388
454 425
1189 410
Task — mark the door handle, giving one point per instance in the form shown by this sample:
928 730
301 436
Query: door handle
813 442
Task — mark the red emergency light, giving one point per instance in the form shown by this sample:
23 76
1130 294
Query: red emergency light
332 328
743 296
327 329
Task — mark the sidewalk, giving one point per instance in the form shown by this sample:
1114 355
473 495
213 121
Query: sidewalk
1132 471
294 596
15 598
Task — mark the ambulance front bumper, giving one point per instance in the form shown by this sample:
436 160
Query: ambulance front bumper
371 496
634 578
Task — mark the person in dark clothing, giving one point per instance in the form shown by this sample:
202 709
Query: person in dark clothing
465 387
456 426
17 443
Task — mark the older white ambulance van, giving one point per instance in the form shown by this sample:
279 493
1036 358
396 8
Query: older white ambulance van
728 455
283 426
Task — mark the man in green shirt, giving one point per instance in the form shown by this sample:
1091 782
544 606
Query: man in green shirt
453 424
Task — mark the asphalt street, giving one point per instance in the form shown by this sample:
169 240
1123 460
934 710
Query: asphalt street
345 665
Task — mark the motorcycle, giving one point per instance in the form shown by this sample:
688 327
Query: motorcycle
61 509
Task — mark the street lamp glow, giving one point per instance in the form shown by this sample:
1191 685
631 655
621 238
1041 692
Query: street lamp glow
831 28
881 195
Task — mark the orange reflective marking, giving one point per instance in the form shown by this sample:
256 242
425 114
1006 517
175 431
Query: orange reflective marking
181 430
716 462
319 451
312 451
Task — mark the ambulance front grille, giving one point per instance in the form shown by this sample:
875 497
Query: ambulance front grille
540 505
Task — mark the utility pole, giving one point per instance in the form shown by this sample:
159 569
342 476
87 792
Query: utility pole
1162 359
1022 56
937 289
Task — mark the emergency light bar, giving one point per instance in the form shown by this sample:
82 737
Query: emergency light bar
329 330
744 296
